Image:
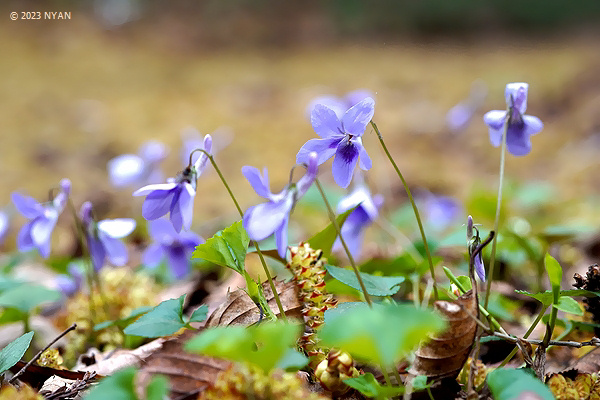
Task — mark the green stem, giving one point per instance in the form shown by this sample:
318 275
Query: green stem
414 206
339 232
497 217
260 255
90 273
529 331
550 327
386 376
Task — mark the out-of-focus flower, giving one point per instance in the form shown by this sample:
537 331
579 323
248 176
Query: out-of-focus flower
441 211
192 140
42 219
358 220
175 247
342 137
459 117
102 237
339 105
177 195
138 169
265 219
473 241
71 283
4 225
520 126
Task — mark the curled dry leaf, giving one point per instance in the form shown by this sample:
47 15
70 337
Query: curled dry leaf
36 375
444 355
239 309
187 373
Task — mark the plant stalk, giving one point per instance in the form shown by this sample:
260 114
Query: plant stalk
260 255
414 206
339 232
497 217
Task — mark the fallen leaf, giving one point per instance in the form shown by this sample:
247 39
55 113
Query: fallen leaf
36 375
445 354
239 309
187 373
125 358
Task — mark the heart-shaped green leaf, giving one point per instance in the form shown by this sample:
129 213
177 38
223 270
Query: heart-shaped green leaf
510 384
568 305
368 385
227 248
119 386
164 319
375 285
382 334
199 314
263 345
27 296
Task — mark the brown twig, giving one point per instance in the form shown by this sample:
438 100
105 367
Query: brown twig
39 354
565 343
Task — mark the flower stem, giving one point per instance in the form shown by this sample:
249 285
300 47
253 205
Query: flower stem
414 206
531 328
497 217
260 255
339 232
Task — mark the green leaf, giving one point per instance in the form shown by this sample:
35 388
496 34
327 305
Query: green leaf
559 233
568 305
368 385
382 334
510 384
324 240
123 322
263 345
164 319
118 386
375 285
14 351
227 249
158 388
26 297
199 314
292 361
546 297
554 271
465 281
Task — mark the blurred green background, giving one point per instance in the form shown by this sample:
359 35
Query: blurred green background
75 93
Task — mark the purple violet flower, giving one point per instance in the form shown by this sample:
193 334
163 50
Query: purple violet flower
520 126
363 216
339 105
177 195
138 169
441 211
472 243
175 247
102 237
342 137
71 283
265 219
42 219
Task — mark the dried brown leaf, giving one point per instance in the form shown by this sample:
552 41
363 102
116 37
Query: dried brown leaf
187 373
239 309
36 375
445 354
125 358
